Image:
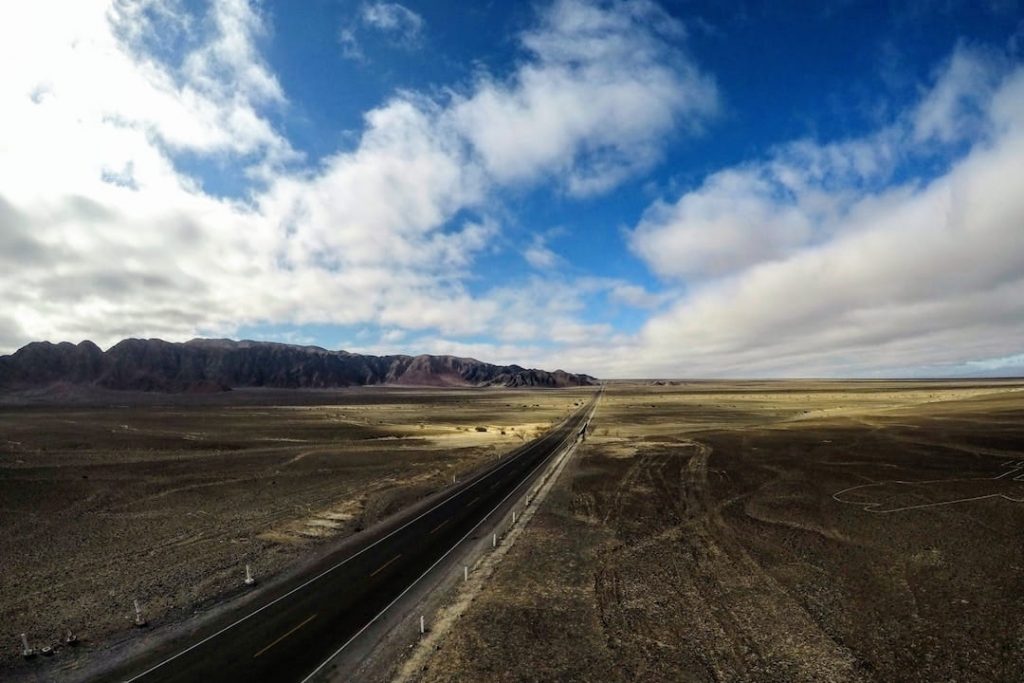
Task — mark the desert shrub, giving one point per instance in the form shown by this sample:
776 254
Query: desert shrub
481 429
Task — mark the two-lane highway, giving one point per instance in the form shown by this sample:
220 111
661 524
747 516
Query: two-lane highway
296 628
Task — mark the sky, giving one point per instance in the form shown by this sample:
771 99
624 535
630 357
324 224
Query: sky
628 189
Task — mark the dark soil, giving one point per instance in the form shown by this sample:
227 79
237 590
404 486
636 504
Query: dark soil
707 533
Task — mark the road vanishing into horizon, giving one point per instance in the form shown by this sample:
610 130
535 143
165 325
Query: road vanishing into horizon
295 629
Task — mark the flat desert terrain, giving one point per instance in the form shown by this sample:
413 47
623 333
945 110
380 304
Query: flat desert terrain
768 531
165 501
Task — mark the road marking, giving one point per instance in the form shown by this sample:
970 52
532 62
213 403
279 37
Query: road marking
476 479
472 501
381 568
311 618
561 444
440 525
481 476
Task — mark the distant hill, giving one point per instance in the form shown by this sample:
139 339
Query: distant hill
205 365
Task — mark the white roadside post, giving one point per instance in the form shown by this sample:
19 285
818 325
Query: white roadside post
494 540
249 581
140 621
465 572
26 650
513 516
423 625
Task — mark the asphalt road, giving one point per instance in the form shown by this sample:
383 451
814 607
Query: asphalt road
296 627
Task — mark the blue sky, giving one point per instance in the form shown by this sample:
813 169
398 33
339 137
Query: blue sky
631 189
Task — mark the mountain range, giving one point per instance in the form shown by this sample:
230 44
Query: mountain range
205 365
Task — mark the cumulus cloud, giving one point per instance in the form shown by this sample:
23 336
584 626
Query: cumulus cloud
821 258
803 192
112 238
732 221
591 106
828 267
91 120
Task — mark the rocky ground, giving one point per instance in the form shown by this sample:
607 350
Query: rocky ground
766 532
165 501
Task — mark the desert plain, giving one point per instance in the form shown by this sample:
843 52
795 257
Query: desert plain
164 498
704 531
768 532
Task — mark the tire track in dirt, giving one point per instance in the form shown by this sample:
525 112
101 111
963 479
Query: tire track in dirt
677 556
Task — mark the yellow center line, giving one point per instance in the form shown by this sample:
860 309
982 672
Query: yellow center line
440 525
381 568
311 618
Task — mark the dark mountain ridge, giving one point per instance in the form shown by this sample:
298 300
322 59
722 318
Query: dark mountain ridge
204 365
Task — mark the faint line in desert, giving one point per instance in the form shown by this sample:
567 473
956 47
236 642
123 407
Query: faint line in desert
1017 469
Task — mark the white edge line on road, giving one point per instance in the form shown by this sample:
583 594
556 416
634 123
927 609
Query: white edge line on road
331 569
431 567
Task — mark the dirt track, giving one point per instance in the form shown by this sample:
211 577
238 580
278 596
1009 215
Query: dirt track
697 539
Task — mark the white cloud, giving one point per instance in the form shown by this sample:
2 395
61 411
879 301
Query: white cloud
953 108
403 28
396 19
113 239
768 209
877 276
230 61
812 261
351 48
731 222
393 336
381 203
601 90
539 255
636 296
121 239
